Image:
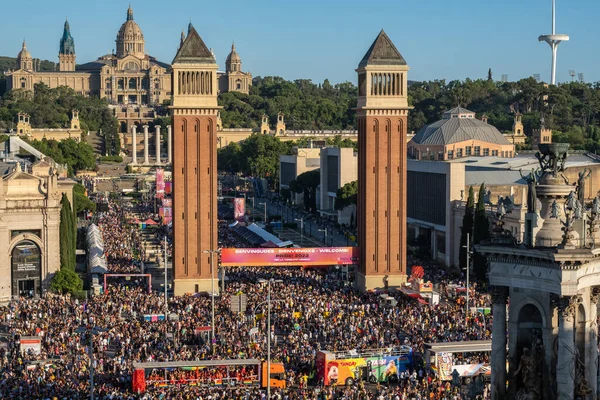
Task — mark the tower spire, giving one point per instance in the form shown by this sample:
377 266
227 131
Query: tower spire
129 13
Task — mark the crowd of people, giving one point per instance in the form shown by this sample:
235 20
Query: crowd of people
312 310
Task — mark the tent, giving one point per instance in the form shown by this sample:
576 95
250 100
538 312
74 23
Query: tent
149 221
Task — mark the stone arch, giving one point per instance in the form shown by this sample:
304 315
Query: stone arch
580 334
24 274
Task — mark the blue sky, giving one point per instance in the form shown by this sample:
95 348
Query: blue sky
440 39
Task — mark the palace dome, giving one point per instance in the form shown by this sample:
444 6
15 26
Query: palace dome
24 53
130 39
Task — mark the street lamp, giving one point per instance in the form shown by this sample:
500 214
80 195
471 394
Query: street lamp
468 247
269 335
264 204
325 234
301 230
166 301
91 331
212 293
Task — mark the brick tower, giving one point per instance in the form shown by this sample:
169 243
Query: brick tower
194 110
382 111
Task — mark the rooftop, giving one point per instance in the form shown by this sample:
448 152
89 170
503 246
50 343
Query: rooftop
382 52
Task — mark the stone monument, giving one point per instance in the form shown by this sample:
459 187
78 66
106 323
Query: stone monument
553 283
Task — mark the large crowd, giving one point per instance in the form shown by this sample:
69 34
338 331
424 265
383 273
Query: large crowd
312 310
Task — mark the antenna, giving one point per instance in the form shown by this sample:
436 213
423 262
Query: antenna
536 77
553 40
572 74
504 78
580 77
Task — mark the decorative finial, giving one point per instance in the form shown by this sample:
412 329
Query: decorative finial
129 13
233 46
190 27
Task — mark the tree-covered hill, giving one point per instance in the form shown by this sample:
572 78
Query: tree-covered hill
570 109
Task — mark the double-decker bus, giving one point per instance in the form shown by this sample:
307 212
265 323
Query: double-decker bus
234 372
377 365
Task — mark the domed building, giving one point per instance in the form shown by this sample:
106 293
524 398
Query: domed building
459 134
131 80
234 80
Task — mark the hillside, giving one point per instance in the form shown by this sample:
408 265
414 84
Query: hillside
7 63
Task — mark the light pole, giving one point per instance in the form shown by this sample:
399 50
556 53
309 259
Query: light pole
91 331
269 336
301 230
166 301
325 234
265 205
212 294
468 247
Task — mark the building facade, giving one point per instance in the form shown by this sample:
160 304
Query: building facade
339 166
30 204
290 166
459 134
73 132
194 109
128 78
382 112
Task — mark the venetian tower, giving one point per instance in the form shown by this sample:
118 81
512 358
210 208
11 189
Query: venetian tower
382 111
194 110
66 53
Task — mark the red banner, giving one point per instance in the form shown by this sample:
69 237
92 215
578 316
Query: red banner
160 183
239 208
296 257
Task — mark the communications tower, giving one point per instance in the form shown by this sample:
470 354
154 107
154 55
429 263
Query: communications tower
553 40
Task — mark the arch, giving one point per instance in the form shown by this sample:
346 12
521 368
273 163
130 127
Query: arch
580 336
26 264
537 304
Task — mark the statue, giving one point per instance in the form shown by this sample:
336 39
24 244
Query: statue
583 175
531 180
487 197
570 203
578 210
531 375
596 207
554 210
500 210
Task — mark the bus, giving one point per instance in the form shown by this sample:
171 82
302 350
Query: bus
235 372
377 365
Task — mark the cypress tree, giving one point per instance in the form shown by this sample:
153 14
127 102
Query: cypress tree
481 232
467 227
67 235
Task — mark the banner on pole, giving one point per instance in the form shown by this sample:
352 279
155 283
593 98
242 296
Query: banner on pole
298 257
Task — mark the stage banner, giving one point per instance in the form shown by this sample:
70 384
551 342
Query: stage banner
167 202
295 257
168 187
167 216
239 208
160 183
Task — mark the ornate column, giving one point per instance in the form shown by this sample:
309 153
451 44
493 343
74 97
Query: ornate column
565 363
498 356
134 144
157 144
146 143
169 145
591 342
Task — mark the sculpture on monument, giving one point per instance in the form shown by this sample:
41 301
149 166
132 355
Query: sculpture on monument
552 157
554 210
583 175
530 372
532 180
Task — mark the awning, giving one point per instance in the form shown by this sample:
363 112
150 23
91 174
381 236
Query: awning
149 221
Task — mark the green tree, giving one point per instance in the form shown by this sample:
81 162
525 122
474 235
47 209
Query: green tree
66 280
481 233
68 239
307 183
467 228
81 201
346 195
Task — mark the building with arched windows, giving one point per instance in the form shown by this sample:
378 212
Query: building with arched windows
30 204
129 78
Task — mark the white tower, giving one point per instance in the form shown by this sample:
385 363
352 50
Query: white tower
553 40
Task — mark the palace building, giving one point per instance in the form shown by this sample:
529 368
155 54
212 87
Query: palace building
129 77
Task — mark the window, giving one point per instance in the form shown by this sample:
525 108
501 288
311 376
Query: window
450 154
440 155
468 151
459 153
132 83
486 152
495 153
477 150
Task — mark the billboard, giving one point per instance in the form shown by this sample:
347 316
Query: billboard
160 183
31 344
295 257
167 202
239 208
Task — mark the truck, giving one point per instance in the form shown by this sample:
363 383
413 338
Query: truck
373 366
